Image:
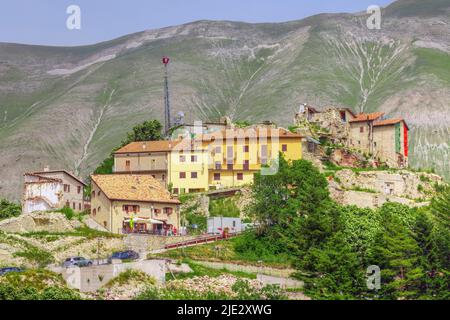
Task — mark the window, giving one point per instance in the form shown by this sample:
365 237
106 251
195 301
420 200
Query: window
182 158
79 206
230 152
163 178
175 190
218 149
93 194
154 177
194 175
128 164
193 158
375 144
79 189
94 212
99 209
157 211
216 176
98 193
128 208
240 176
234 224
105 223
182 175
343 116
67 188
361 129
218 166
168 210
284 147
246 165
74 206
246 149
230 167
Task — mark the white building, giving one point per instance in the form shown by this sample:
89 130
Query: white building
52 190
219 225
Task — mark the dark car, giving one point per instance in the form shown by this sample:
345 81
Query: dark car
77 262
4 271
124 255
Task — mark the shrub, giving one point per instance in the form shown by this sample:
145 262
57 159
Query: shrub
9 209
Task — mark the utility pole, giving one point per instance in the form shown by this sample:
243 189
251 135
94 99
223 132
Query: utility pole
167 122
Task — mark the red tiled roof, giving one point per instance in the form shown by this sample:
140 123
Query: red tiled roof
147 146
388 122
142 188
367 116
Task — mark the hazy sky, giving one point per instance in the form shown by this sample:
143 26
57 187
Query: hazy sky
44 21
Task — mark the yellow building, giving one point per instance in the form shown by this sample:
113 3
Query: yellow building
124 203
222 159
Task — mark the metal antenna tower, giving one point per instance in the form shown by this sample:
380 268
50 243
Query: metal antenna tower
167 122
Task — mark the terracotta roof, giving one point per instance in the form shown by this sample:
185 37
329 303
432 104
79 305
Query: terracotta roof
367 116
147 146
388 122
42 174
142 188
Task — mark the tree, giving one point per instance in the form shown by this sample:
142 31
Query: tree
146 131
396 253
440 207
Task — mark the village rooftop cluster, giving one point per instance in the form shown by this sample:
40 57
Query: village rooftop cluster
148 176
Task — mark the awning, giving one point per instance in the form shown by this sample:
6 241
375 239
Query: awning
141 220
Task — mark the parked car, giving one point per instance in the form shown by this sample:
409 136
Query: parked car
124 255
78 262
4 271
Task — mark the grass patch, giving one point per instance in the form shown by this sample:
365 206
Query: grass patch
78 232
201 271
35 285
225 251
131 275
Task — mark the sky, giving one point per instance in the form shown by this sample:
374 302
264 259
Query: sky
43 22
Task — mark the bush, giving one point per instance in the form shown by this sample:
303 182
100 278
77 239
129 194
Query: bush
9 209
68 212
35 285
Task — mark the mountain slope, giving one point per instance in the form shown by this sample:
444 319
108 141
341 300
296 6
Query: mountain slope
68 107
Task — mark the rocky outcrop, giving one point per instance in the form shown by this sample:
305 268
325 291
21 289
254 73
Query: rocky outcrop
39 221
371 189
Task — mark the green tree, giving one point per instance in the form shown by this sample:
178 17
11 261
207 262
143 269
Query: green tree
396 253
146 131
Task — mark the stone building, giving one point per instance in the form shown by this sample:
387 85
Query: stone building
129 203
386 140
51 190
382 139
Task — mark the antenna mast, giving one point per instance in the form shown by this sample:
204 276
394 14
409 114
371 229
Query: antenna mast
167 123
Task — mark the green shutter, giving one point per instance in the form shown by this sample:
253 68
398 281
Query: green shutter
397 138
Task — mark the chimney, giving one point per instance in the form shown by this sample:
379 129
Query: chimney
47 168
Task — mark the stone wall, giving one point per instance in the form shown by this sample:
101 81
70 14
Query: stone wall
405 184
90 279
371 189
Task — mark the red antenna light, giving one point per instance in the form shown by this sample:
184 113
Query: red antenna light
165 60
